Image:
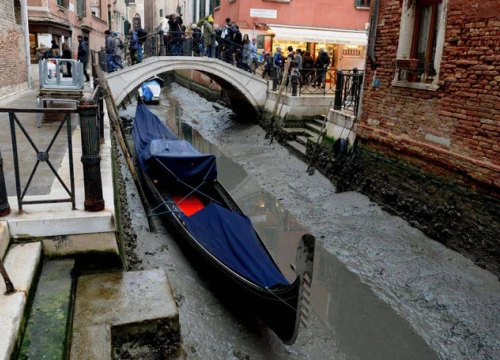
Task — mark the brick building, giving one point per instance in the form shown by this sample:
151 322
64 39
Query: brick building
431 113
13 59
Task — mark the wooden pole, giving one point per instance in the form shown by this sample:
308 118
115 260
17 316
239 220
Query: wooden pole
278 97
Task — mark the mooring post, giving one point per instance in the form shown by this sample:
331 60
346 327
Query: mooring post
4 203
91 159
337 105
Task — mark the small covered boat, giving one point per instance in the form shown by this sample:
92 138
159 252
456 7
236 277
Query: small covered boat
150 90
184 191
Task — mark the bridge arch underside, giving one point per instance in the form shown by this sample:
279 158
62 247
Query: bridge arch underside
246 93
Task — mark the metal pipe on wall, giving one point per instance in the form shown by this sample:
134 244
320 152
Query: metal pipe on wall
25 25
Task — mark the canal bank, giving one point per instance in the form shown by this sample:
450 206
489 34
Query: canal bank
446 299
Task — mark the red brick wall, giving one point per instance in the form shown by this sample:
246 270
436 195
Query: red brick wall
465 109
13 73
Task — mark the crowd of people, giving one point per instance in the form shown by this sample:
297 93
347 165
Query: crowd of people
225 42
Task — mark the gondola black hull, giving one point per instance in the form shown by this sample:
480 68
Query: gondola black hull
277 308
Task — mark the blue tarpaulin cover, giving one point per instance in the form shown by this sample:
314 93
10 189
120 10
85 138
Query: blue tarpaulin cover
154 141
147 94
226 234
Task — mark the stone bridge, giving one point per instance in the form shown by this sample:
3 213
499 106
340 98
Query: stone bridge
239 84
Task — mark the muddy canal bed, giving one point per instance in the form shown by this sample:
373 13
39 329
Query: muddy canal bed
381 289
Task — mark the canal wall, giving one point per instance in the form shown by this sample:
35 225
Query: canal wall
451 209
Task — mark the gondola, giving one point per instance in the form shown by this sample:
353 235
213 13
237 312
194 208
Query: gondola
184 190
150 90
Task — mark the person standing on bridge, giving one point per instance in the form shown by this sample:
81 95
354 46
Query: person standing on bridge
110 52
133 46
208 34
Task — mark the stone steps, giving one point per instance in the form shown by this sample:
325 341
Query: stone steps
22 263
116 308
297 149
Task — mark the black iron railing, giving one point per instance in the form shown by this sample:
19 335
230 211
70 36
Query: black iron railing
41 155
91 113
348 90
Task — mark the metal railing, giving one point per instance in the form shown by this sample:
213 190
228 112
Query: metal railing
309 81
91 113
348 90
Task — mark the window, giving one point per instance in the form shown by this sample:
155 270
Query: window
161 12
425 31
421 40
96 9
216 3
81 8
63 3
362 3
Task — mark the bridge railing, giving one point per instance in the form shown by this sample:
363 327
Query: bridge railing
312 81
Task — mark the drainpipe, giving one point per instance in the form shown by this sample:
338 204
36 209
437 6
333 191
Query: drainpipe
25 25
373 34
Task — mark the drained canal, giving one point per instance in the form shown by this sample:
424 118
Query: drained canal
347 318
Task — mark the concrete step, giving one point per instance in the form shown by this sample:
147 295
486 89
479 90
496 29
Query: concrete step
319 121
303 139
114 308
313 126
46 334
297 149
308 132
22 263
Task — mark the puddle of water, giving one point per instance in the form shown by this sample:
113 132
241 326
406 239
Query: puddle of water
363 326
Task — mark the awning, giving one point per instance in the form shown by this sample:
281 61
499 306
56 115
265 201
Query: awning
319 35
49 27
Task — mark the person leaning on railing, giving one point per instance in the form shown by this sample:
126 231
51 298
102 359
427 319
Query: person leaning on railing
307 68
321 65
133 46
208 34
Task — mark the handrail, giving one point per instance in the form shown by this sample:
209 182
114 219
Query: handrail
91 120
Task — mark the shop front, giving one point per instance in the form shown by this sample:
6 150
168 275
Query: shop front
346 48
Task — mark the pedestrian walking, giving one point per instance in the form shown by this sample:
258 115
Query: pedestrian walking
83 55
67 54
117 58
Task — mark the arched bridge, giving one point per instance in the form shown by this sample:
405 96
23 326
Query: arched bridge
246 85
